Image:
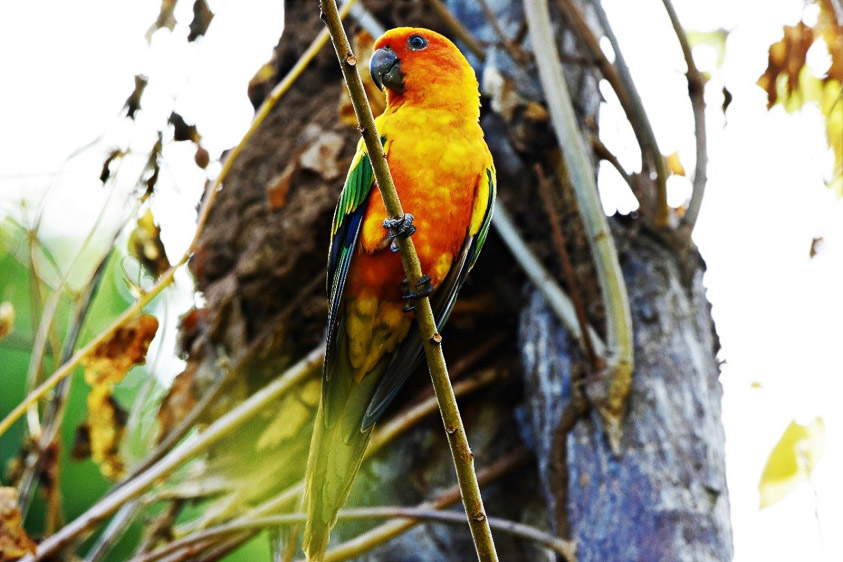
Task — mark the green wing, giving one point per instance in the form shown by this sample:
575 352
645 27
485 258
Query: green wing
407 357
348 219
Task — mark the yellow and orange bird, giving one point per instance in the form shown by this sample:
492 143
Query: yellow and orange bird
445 178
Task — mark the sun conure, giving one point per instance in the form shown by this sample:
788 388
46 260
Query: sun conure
445 179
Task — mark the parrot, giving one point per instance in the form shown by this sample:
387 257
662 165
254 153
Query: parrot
445 178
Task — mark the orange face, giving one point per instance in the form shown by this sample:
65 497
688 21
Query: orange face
424 68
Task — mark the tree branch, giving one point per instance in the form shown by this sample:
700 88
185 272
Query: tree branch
612 286
432 341
696 91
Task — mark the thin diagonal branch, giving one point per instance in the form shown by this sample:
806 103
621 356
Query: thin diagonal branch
432 341
604 254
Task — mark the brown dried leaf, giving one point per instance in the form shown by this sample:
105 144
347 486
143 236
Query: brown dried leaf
786 58
14 542
832 34
183 131
166 18
153 167
202 16
363 46
126 347
133 102
7 319
146 246
105 175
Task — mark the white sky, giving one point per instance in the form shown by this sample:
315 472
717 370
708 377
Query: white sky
67 67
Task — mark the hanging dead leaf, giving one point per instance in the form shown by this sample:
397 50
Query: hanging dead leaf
14 542
786 59
126 347
133 102
202 16
153 167
183 131
262 83
816 246
792 460
363 46
674 165
166 18
145 245
105 175
7 319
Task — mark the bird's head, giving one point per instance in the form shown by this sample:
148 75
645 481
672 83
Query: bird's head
423 68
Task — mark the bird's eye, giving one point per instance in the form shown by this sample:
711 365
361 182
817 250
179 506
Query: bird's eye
417 42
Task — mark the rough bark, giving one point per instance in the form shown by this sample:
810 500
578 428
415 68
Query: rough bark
262 257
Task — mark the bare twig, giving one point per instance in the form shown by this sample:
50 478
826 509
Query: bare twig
416 514
432 341
612 285
605 154
620 79
696 91
567 268
515 51
188 449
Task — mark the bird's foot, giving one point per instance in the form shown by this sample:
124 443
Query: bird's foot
401 227
424 288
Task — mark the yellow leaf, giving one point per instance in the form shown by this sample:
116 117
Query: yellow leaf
674 164
14 542
126 347
145 245
792 460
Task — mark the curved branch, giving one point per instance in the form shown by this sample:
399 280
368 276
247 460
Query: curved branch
696 90
612 406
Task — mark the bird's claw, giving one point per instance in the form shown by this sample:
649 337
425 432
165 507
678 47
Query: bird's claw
424 288
401 227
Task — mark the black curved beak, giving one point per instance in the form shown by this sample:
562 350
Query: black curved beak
385 67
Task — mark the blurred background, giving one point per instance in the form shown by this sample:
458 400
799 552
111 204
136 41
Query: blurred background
770 229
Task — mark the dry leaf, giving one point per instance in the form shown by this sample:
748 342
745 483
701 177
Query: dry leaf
786 59
105 174
202 16
7 319
126 347
107 365
279 186
133 102
166 18
183 131
145 245
14 542
106 429
792 460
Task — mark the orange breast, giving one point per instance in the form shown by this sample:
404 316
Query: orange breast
435 166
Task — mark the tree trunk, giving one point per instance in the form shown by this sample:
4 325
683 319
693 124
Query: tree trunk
261 264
